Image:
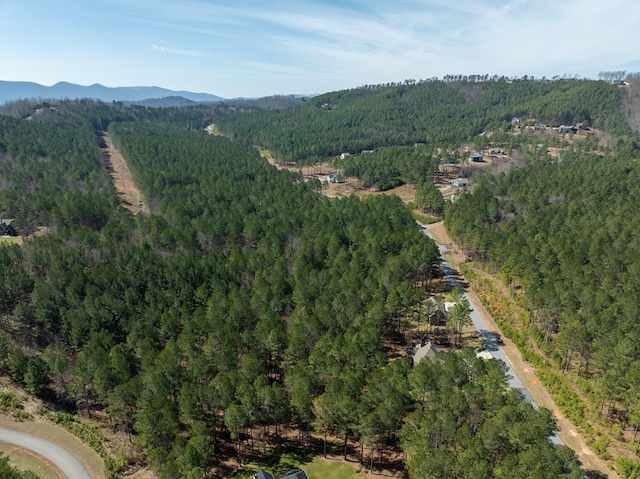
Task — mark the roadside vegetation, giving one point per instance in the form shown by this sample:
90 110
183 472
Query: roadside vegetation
9 472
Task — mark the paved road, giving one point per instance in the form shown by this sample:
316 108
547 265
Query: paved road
488 337
70 467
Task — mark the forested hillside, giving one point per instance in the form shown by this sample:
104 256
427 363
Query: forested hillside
247 303
436 112
564 234
239 303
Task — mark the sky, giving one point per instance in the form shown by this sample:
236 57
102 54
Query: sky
253 48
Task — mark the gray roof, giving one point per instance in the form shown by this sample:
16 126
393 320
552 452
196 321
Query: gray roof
262 475
292 474
429 350
296 474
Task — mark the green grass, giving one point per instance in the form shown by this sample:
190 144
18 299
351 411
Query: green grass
321 468
28 461
9 240
281 460
424 219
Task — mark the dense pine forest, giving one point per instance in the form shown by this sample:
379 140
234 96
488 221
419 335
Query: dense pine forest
248 305
443 113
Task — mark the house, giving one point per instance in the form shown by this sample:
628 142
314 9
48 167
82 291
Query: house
539 127
567 129
344 155
496 151
460 182
296 474
292 474
335 178
476 157
451 194
6 228
426 350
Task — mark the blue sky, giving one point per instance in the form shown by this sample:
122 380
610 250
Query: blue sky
252 48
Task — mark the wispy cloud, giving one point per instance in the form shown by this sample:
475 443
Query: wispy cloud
175 51
284 46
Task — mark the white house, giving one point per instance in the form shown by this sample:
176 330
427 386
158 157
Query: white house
460 182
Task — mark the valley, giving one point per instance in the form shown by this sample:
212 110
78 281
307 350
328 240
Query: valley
219 315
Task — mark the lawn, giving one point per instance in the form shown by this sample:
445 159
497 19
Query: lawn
9 240
28 461
321 468
279 461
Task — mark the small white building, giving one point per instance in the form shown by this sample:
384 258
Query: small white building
460 182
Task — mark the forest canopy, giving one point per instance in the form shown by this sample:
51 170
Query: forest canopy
436 112
247 302
241 299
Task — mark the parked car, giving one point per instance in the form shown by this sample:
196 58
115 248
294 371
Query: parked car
498 339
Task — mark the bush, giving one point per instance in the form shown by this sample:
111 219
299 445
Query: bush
629 468
600 446
9 402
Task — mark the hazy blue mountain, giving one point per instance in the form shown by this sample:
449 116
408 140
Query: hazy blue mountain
10 90
164 102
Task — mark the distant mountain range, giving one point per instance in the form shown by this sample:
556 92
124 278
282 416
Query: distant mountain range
15 90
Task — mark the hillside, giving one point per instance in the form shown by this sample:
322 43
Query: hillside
226 304
435 112
561 231
248 311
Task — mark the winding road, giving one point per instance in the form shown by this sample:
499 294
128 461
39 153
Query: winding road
67 464
521 374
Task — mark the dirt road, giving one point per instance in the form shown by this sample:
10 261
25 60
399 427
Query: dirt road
113 162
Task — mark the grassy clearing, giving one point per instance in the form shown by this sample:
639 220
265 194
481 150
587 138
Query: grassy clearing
28 461
9 240
321 468
424 219
281 460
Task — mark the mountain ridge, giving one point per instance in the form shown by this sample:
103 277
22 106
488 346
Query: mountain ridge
19 90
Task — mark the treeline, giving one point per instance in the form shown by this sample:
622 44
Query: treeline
566 233
438 112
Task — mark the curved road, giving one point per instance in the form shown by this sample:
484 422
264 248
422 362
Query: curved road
488 337
570 435
66 462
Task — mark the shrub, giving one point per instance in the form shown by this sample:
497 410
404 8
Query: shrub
629 468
